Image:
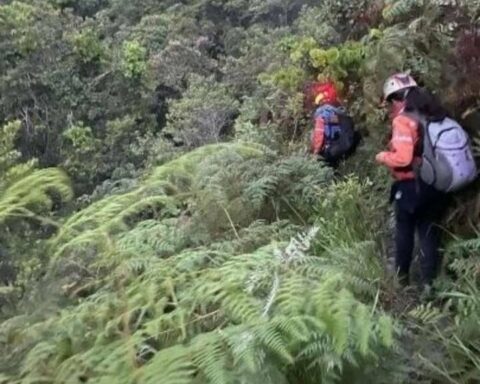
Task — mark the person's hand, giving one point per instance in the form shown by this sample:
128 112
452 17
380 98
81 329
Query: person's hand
380 157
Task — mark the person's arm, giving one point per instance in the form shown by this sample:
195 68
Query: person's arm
318 136
402 144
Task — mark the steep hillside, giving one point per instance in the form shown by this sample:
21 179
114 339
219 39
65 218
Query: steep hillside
161 218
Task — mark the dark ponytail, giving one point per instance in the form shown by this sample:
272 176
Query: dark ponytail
422 101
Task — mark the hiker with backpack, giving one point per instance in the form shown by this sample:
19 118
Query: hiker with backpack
333 137
429 156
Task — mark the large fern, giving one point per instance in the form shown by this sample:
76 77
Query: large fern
161 195
26 192
162 300
34 194
219 321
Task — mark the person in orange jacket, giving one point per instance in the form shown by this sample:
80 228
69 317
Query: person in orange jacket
326 99
418 206
333 137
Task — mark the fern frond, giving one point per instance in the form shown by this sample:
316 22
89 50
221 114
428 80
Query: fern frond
34 194
426 314
396 9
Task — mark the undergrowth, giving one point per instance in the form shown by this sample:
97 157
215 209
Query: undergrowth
161 220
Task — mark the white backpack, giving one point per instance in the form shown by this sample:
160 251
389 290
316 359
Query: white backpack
447 159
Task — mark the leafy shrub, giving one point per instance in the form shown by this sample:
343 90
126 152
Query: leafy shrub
312 23
87 46
133 62
204 114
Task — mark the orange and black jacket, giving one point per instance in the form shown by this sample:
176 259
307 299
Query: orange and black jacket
402 153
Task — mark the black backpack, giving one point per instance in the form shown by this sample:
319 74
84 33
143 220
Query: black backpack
341 138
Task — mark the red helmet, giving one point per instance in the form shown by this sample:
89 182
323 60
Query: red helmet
326 93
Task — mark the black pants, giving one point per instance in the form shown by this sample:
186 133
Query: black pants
418 208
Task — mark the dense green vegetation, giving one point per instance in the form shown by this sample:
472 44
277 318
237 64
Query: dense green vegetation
161 221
